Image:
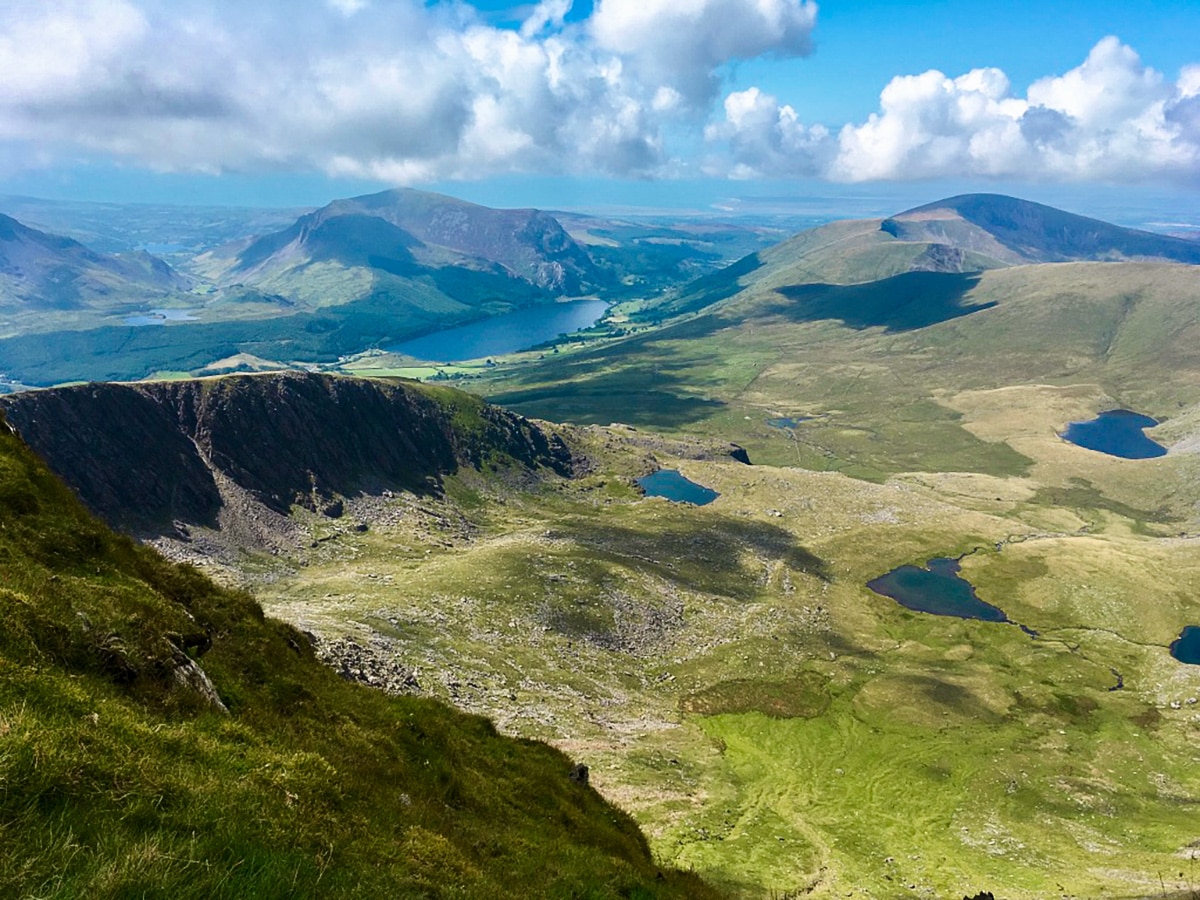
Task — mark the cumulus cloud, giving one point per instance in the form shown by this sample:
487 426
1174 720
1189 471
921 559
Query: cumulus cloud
768 138
1112 117
396 90
408 92
680 43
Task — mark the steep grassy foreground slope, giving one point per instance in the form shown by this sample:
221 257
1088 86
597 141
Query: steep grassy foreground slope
160 737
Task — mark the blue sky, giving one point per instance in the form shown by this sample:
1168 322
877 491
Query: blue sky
671 103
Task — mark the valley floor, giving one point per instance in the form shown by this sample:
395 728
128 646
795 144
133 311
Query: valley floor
772 723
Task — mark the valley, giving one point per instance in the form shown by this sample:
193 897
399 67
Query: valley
862 397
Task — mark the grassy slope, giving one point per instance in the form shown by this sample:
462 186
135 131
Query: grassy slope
875 373
119 781
774 724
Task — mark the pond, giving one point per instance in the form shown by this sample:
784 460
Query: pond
1118 432
160 317
937 589
788 423
670 484
1187 648
506 333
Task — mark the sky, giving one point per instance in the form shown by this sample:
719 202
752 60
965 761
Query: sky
657 103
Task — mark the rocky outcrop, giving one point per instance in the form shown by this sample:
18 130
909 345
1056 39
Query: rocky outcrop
152 457
375 662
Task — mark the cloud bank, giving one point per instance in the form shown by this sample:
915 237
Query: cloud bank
394 90
1111 118
405 93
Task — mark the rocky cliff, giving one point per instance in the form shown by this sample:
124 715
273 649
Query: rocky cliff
148 456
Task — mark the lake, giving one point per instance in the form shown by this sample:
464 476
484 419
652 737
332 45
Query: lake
670 484
1187 648
160 317
507 333
788 423
1118 432
936 589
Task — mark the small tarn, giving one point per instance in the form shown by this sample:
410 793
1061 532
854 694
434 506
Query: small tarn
1118 432
1186 648
788 423
938 589
670 484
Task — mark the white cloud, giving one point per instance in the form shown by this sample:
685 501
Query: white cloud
768 139
547 14
408 92
680 43
1109 118
394 90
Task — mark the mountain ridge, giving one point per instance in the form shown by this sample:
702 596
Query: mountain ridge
953 235
427 231
284 439
42 272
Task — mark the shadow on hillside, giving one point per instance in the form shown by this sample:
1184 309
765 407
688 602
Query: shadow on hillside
641 394
901 303
705 553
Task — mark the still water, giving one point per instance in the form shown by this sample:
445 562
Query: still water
670 484
1118 432
507 333
937 589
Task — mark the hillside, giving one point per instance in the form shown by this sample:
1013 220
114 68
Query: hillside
723 670
43 274
968 233
186 450
160 737
409 234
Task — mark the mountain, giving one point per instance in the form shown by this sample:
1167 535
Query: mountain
968 233
409 234
853 325
41 273
1019 231
191 452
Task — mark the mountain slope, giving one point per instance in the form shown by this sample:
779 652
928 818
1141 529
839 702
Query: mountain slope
161 738
967 233
185 448
1022 232
42 273
407 234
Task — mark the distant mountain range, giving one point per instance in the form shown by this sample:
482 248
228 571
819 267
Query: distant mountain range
42 273
369 272
967 233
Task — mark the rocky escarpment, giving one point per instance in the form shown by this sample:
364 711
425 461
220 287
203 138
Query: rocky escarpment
148 457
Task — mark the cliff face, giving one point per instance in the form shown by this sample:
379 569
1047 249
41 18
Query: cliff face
145 456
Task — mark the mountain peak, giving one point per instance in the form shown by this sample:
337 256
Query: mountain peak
1021 231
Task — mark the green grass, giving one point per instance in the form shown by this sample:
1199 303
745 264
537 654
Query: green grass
778 727
121 779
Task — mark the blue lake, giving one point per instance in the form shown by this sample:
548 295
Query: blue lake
936 589
1118 432
508 333
788 423
670 484
1187 648
160 317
